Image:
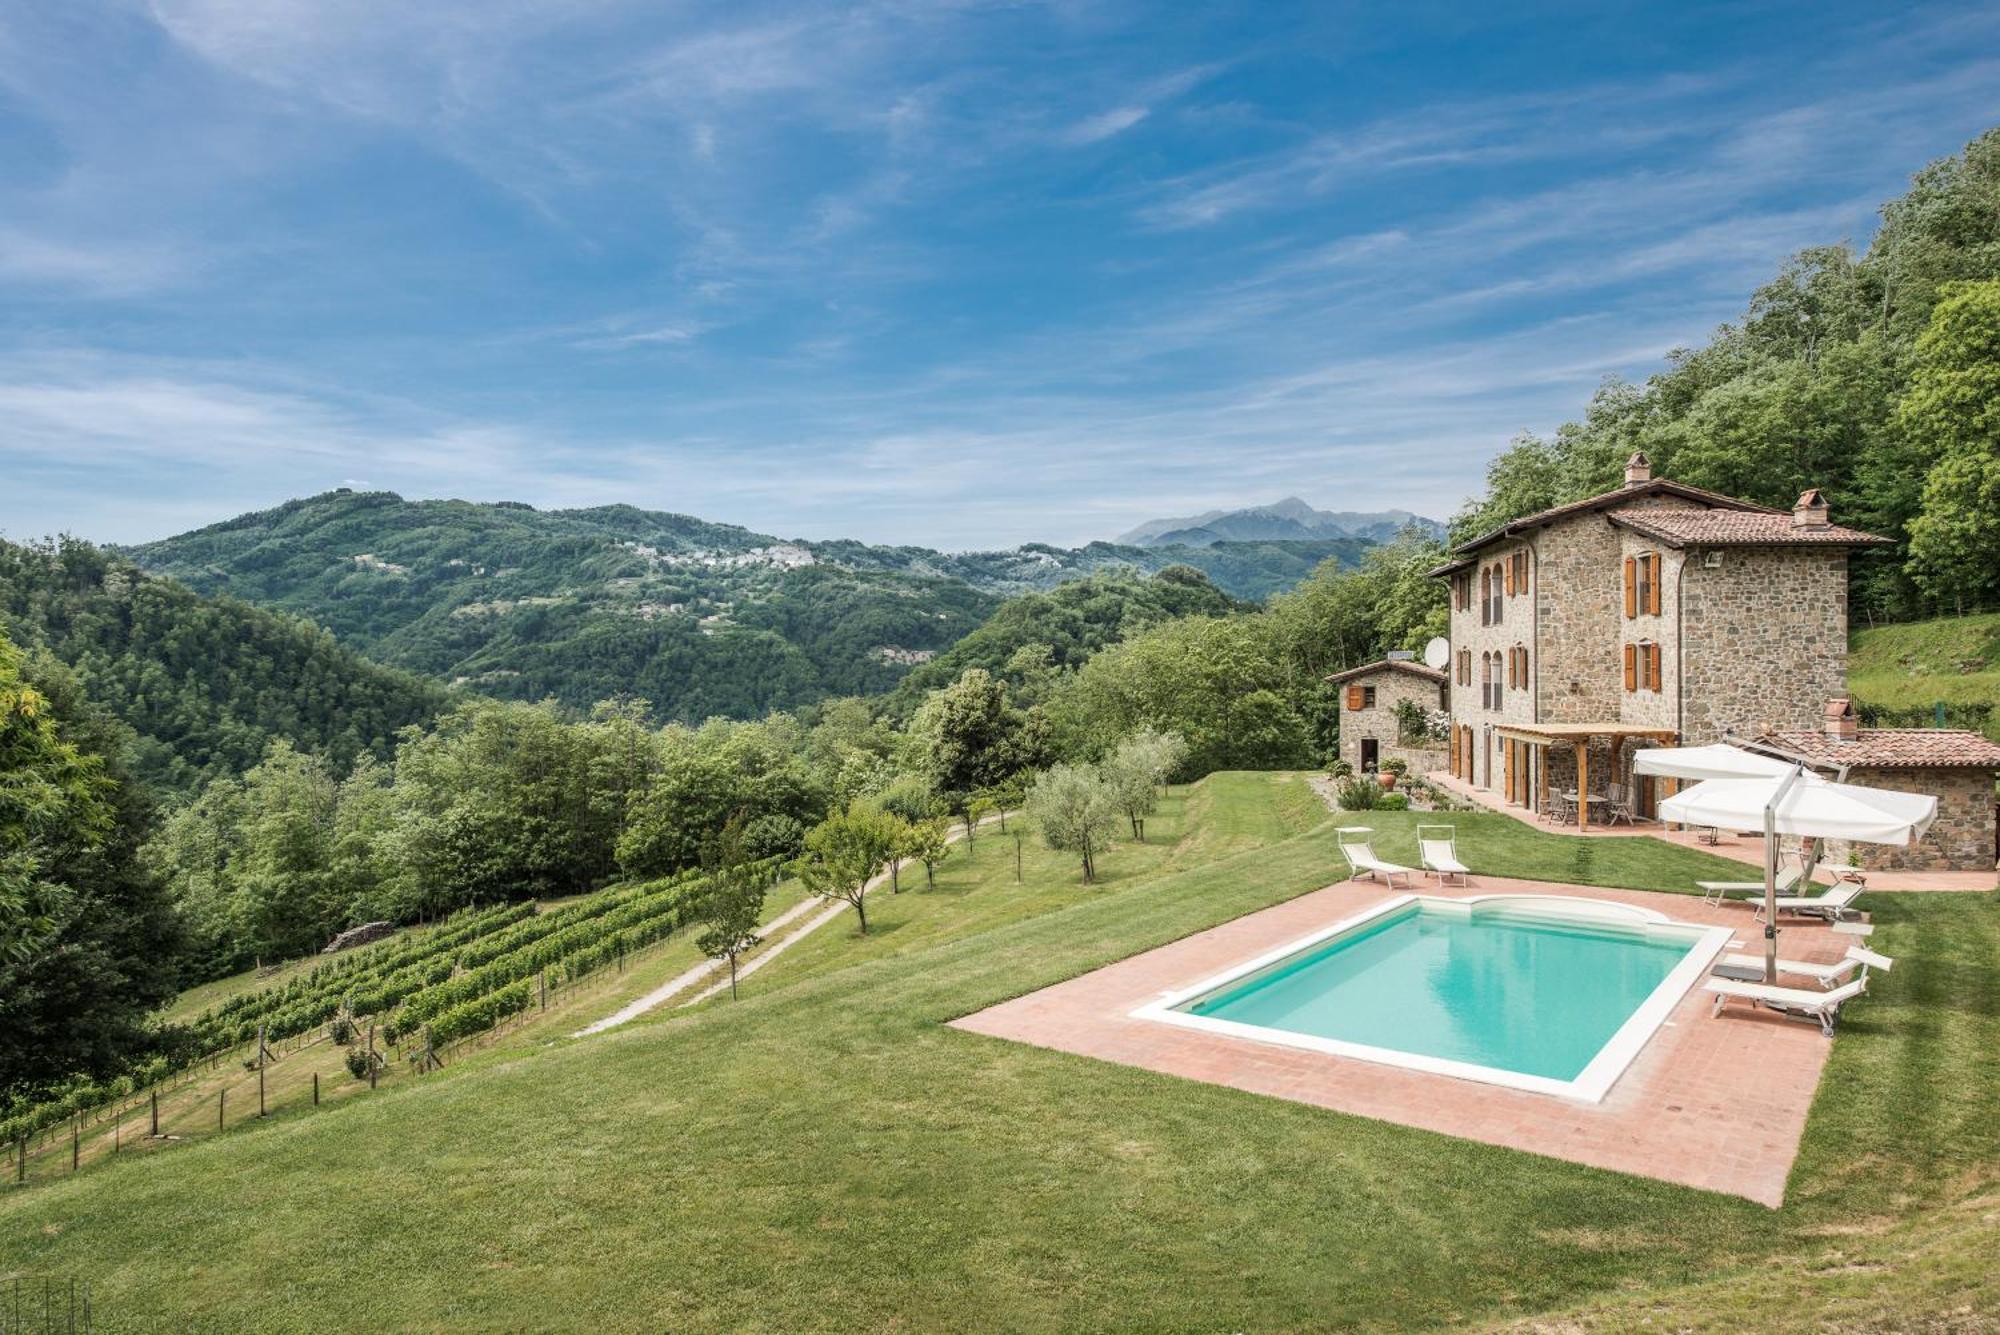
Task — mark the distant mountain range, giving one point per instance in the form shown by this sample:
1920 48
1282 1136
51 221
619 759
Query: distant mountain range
1289 520
700 618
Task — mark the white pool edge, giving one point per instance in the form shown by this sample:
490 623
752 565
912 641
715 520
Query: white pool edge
1591 1084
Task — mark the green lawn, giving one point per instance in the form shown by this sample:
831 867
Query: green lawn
1915 664
826 1153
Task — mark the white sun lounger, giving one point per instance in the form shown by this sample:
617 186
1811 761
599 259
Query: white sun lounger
1831 903
1437 849
1361 859
1717 891
1823 1007
1826 975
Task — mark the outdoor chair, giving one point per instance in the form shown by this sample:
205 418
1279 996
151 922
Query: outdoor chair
1716 891
1562 810
1437 849
1361 859
1830 904
1823 1007
1826 975
1618 805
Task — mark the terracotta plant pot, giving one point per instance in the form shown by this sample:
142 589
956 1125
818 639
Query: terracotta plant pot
1388 780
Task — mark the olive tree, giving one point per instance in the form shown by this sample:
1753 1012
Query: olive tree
1075 811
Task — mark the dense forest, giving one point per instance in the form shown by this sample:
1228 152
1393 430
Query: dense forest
702 619
205 684
1874 376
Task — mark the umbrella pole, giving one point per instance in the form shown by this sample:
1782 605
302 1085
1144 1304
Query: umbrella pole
1771 874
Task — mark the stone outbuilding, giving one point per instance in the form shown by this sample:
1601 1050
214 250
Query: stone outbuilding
1371 730
1955 766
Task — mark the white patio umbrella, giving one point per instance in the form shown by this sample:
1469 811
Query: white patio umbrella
1803 804
1720 761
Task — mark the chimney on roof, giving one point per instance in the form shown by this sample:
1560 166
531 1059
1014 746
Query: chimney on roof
1841 724
1638 469
1809 510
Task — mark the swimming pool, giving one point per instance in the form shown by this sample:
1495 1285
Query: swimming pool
1545 993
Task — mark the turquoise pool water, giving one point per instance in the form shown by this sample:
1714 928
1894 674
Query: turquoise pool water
1515 992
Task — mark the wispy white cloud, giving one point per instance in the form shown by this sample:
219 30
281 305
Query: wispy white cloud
1104 125
68 265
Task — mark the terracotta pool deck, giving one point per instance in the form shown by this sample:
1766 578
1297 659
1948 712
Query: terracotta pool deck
1715 1103
1741 847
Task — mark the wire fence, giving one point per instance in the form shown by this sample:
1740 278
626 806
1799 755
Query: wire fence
34 1305
301 1074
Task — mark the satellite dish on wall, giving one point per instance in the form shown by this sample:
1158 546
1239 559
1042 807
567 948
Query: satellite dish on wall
1437 653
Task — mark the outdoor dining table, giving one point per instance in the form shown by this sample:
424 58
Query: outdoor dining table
1590 800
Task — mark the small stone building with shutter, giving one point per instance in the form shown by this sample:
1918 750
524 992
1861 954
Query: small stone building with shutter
1658 613
1955 766
1371 731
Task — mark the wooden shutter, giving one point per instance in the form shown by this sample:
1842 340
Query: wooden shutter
1631 667
1653 656
1631 587
1354 697
1653 584
1510 577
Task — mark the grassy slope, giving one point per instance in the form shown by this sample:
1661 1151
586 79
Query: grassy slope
826 1154
1913 665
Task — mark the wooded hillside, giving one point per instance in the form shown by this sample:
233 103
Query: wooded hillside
1875 376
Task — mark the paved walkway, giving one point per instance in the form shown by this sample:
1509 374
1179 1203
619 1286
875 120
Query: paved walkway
708 970
1712 1102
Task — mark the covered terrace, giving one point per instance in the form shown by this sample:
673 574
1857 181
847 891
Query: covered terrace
1538 756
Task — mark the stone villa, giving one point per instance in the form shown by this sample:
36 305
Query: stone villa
1370 729
1666 614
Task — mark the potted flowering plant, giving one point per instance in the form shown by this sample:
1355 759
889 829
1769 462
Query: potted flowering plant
1392 769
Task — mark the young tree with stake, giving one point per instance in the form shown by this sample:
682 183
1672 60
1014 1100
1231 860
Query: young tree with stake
731 914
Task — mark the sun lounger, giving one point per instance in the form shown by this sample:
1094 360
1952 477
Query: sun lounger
1437 849
1717 891
1823 1007
1361 859
1826 975
1831 904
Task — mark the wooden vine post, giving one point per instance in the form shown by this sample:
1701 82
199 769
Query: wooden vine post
75 1142
371 1054
263 1058
156 1114
221 1102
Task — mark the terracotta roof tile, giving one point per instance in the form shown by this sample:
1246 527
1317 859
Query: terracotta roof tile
1894 748
1658 486
1736 528
1391 665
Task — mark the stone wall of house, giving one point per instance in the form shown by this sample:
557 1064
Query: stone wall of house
1766 640
1579 608
1642 704
1379 721
1516 628
1962 838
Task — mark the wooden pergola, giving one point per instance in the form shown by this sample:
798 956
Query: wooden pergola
1578 735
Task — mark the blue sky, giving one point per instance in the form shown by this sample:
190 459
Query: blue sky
947 273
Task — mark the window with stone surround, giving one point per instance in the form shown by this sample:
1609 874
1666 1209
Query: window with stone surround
1642 666
1642 585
